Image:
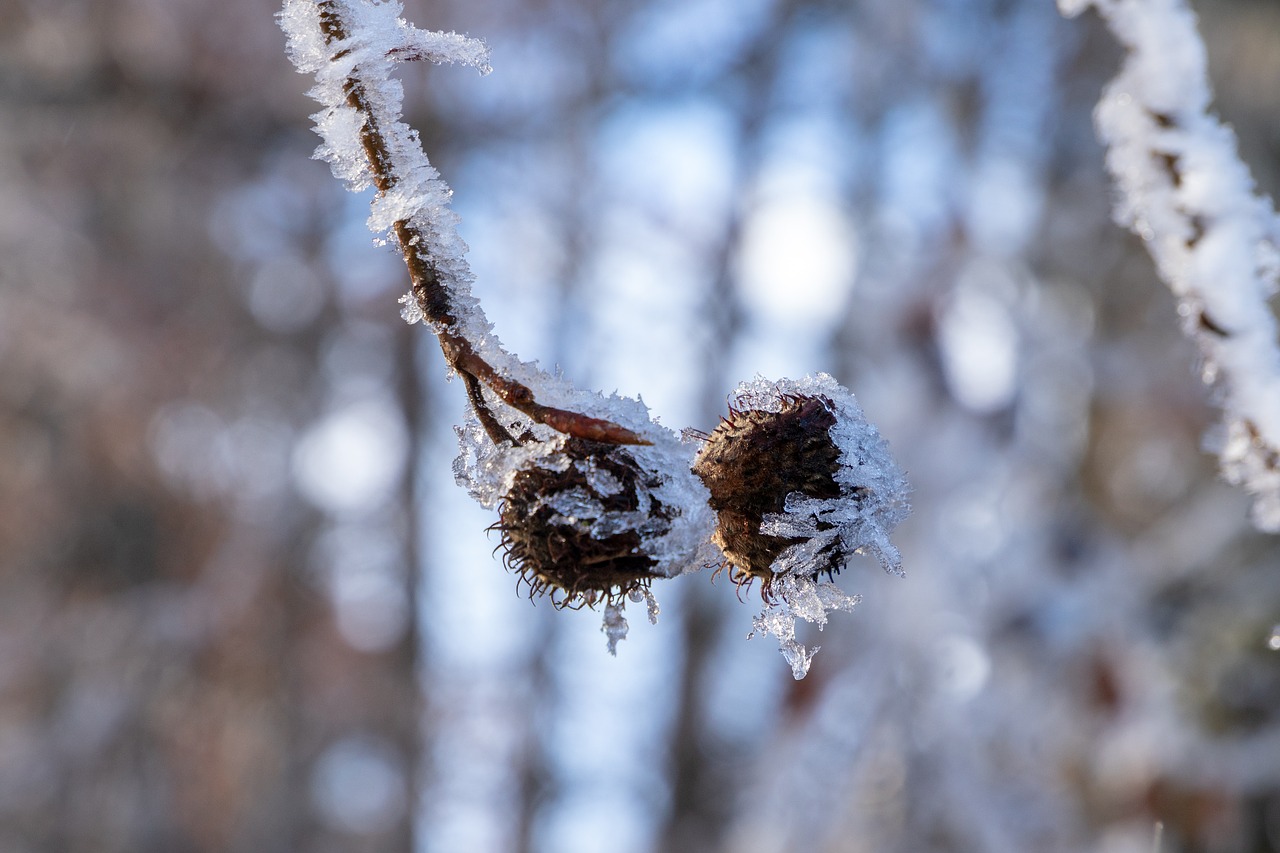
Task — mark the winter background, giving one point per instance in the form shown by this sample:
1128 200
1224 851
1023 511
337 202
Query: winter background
244 607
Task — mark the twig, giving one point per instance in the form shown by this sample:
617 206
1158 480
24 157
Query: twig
435 300
1216 242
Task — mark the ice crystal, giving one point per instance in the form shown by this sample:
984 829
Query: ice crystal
615 626
799 597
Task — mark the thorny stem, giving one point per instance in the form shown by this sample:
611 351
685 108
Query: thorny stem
434 300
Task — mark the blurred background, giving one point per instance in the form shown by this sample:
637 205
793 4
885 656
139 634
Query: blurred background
243 607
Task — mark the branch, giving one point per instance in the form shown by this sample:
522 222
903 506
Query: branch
1215 242
580 519
359 42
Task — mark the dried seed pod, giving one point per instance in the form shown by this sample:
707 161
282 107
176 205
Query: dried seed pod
576 523
799 481
752 461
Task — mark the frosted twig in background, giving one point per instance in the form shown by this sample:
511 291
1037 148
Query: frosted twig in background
1186 193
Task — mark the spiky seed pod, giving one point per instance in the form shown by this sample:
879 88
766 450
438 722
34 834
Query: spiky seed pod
751 462
574 524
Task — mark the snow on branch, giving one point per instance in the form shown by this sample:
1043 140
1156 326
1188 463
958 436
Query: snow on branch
350 47
595 500
1215 241
441 48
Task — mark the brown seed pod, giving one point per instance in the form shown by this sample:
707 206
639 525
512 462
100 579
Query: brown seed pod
751 462
575 524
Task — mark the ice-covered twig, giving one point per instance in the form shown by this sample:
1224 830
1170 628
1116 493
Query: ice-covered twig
1215 241
595 499
350 46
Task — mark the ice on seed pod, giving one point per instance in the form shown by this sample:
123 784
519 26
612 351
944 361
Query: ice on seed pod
799 482
586 523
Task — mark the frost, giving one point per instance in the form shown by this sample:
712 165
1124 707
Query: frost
614 627
1185 192
441 47
604 483
412 311
487 471
411 191
799 597
380 26
872 502
1247 462
576 504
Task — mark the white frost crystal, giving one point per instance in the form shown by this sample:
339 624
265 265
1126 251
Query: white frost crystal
488 472
377 37
799 597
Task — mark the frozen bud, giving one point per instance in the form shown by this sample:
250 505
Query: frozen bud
579 522
799 481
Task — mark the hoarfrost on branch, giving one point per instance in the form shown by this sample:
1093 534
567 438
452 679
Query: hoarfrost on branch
523 419
1215 242
350 47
